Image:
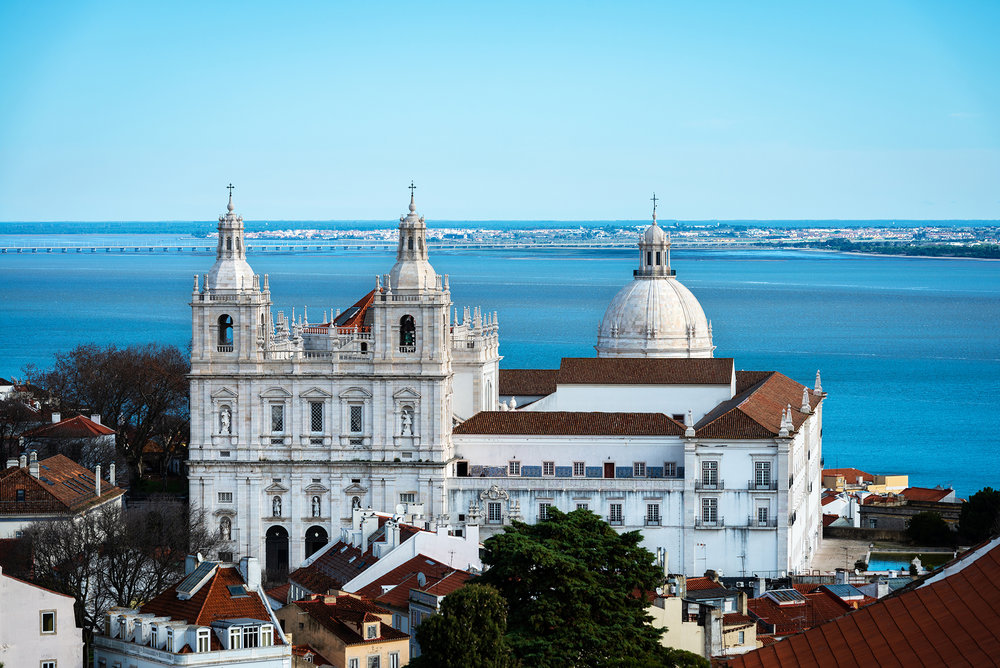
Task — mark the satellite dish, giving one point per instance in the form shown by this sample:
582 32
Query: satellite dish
400 509
659 591
421 579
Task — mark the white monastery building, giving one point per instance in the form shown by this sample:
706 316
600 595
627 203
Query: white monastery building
399 403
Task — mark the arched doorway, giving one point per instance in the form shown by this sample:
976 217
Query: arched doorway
276 554
316 538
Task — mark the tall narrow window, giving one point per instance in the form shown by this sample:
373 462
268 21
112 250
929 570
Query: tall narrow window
579 469
234 638
762 474
357 418
548 468
669 469
763 515
251 636
203 640
649 258
225 330
407 333
266 635
494 512
543 511
615 514
277 418
657 258
653 514
19 495
639 469
709 511
170 640
316 416
513 468
710 473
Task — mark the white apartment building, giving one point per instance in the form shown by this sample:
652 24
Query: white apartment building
37 627
397 401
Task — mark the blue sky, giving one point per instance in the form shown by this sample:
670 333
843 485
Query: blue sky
576 110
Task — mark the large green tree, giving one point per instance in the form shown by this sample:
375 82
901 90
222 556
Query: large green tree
469 631
575 589
980 518
929 528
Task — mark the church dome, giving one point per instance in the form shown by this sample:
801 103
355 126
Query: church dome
654 315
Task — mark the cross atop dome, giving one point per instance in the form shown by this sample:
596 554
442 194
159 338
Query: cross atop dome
229 207
654 199
413 206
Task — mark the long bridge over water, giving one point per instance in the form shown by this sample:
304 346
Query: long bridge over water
328 246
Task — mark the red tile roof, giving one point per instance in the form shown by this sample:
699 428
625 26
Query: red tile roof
212 602
756 412
529 382
698 584
829 519
62 486
439 579
645 371
819 607
74 427
951 618
851 475
307 650
925 494
565 423
345 614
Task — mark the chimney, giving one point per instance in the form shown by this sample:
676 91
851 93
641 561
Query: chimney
369 525
250 570
391 535
11 462
56 417
190 563
111 474
23 460
97 479
759 587
33 463
881 588
95 418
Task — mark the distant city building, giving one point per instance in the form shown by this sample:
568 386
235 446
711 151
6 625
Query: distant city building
37 627
397 401
52 489
217 615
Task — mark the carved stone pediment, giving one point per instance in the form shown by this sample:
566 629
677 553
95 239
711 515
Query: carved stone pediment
275 488
224 512
406 393
315 393
494 493
355 393
316 488
224 393
276 393
355 488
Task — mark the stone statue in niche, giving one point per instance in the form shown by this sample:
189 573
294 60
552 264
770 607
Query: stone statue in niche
225 529
225 420
315 506
406 423
355 503
276 506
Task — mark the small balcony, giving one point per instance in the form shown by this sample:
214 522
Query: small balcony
710 483
762 486
616 521
407 349
702 523
225 348
652 521
758 523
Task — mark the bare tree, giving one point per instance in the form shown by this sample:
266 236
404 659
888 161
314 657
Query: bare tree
15 417
140 391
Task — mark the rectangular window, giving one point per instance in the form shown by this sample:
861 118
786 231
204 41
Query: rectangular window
170 640
19 495
615 514
394 660
408 497
548 468
277 418
251 636
352 663
373 662
741 638
494 512
763 513
579 469
316 416
203 640
639 470
48 663
583 506
709 511
225 497
514 468
543 511
762 474
357 418
48 621
653 514
669 469
152 637
266 635
234 639
710 473
371 631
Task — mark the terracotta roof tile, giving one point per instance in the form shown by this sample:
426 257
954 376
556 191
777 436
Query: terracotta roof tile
403 578
756 412
212 602
850 474
530 382
341 616
74 427
565 423
699 584
925 494
62 486
950 619
645 371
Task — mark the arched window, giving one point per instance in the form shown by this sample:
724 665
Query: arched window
407 331
226 528
225 330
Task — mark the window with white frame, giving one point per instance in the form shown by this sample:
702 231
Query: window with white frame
169 646
277 418
394 660
669 469
710 510
235 637
352 663
583 506
548 468
763 515
639 469
513 468
579 469
652 513
152 637
225 497
357 418
741 637
266 635
204 640
710 473
47 621
615 513
374 661
494 512
251 636
543 511
371 631
408 497
316 416
48 663
762 474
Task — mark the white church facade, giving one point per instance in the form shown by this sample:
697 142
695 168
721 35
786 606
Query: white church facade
399 402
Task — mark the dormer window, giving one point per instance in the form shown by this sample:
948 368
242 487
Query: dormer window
153 642
204 640
235 636
371 631
266 635
170 640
